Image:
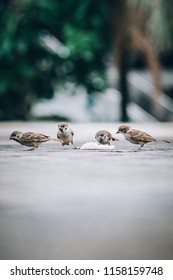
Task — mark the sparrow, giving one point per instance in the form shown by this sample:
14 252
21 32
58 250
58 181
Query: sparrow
104 137
136 136
65 134
30 139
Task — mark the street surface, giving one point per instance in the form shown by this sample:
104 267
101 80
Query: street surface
60 203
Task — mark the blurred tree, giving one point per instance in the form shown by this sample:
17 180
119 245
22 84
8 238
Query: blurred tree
30 69
142 28
151 34
121 48
49 43
27 69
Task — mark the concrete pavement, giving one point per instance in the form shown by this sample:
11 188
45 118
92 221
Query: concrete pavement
61 203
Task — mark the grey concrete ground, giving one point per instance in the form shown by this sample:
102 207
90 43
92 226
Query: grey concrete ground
61 203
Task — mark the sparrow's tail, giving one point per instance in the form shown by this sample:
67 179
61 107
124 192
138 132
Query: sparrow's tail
114 139
161 140
166 141
53 139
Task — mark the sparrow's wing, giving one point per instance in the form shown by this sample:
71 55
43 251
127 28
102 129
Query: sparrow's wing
138 135
109 135
58 133
29 137
72 133
38 137
147 137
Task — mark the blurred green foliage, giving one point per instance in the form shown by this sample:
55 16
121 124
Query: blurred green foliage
29 69
48 43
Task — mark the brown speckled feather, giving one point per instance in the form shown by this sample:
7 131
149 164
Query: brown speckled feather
29 137
137 135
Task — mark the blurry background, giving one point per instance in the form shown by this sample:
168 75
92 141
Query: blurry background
86 61
72 60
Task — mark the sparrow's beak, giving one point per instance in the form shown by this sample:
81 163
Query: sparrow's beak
117 132
10 137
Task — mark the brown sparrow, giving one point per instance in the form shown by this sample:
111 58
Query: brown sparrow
136 136
30 139
104 137
65 134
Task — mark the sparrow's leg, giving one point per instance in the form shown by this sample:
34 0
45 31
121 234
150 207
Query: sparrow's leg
74 146
34 146
32 149
141 145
